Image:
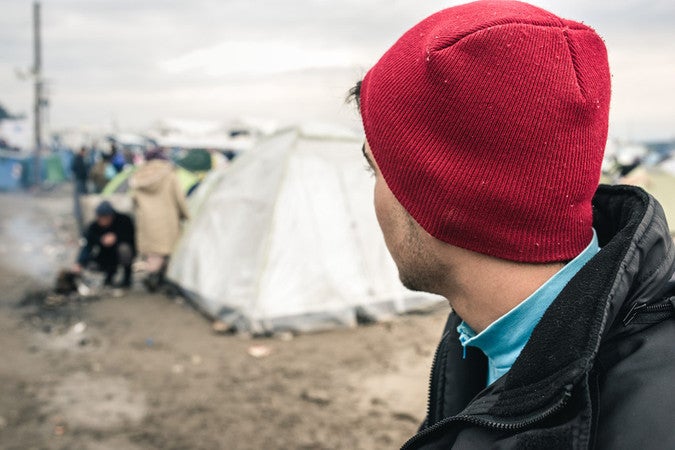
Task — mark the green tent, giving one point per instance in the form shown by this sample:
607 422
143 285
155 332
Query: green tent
197 160
187 179
51 170
120 182
54 171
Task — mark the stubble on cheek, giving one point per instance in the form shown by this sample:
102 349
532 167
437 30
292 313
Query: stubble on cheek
419 269
417 264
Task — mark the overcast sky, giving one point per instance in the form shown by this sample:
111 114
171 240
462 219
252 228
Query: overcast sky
133 62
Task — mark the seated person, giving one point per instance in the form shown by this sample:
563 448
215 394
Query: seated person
110 244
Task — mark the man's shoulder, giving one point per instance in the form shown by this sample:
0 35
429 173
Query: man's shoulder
635 389
651 342
93 228
123 218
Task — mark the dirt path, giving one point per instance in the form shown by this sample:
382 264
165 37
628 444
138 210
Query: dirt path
146 372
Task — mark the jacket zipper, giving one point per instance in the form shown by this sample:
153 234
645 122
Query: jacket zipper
638 309
511 426
434 363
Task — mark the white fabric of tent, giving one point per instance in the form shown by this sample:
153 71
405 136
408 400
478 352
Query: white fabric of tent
286 239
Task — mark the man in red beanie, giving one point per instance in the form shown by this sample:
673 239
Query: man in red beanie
485 127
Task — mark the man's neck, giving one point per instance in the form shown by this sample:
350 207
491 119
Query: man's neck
481 288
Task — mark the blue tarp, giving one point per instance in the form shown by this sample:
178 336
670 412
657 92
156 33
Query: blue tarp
17 169
11 171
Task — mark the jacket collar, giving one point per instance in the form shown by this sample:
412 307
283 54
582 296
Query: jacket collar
636 261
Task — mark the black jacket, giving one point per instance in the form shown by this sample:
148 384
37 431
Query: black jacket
79 168
122 226
598 370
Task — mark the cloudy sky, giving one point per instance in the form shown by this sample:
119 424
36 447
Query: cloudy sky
132 62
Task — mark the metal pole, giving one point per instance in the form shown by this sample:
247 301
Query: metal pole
37 73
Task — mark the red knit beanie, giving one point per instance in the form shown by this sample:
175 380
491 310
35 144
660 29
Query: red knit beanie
488 122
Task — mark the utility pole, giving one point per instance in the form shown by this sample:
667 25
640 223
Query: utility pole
37 109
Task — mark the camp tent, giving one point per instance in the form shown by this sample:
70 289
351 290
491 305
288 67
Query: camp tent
17 169
196 160
52 170
120 182
286 239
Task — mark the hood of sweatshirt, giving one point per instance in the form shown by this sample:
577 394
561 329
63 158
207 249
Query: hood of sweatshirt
149 177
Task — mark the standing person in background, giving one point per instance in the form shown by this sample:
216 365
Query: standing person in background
485 129
80 169
117 158
159 204
102 172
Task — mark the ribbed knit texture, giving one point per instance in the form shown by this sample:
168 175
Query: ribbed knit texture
488 122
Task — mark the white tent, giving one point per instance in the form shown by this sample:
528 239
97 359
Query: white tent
286 239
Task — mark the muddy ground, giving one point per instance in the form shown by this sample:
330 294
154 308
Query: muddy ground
146 371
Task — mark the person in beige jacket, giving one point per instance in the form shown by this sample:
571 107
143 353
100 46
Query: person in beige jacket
159 207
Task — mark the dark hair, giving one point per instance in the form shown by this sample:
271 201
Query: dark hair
354 95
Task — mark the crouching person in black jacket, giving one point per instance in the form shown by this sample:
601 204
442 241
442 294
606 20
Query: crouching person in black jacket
485 130
110 243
